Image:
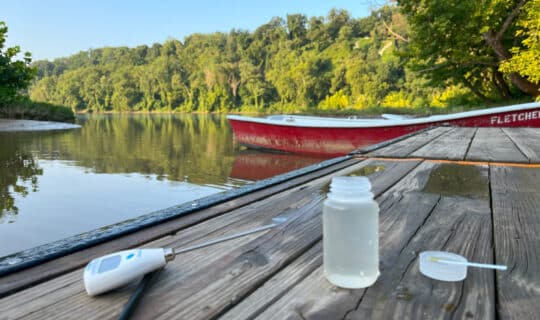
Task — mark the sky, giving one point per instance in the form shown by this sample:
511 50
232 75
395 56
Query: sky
58 28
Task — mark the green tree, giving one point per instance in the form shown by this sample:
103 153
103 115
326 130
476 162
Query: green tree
15 75
300 63
526 58
464 42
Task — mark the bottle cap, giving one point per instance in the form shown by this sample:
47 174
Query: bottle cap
350 185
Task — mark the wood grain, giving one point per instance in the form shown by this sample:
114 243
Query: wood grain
277 274
459 224
526 139
404 148
492 144
517 240
452 145
20 280
271 290
316 298
410 217
301 268
230 268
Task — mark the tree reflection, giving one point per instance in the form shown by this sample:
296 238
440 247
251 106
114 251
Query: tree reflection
18 175
194 148
197 148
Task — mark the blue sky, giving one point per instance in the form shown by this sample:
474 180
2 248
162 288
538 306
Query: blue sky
57 28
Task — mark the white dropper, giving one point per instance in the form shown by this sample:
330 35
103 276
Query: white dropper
448 266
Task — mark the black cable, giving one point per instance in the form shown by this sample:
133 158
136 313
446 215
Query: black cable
137 294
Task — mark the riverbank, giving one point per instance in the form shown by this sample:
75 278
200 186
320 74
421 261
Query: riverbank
367 112
32 110
12 125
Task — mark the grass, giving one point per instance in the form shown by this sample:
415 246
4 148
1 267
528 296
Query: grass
26 109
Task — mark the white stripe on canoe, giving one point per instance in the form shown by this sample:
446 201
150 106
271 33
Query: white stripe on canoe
323 122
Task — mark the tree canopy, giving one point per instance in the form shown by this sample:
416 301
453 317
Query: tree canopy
416 54
15 75
467 42
526 58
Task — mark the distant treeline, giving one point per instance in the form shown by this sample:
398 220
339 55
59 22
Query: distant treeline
286 65
16 75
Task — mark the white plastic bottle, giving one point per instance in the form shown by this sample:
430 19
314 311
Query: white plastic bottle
351 233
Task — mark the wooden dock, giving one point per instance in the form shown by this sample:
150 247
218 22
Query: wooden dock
475 192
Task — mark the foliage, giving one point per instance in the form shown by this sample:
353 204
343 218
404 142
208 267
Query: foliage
26 109
453 96
15 75
398 56
455 42
525 59
335 102
286 65
397 100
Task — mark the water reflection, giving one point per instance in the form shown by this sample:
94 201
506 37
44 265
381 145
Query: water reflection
56 184
458 180
254 165
116 167
18 175
176 147
196 149
367 170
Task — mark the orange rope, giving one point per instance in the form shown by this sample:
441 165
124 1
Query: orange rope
390 159
464 163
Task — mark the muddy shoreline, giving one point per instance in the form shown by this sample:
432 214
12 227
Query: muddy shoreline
13 125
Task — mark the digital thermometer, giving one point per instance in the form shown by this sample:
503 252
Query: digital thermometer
121 268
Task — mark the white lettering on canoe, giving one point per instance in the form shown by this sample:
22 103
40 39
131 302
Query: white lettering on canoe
515 117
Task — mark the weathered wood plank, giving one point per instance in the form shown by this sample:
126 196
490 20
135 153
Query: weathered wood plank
452 145
232 268
404 209
492 144
517 240
316 298
526 139
17 281
276 286
301 268
404 148
459 223
373 147
65 296
279 251
44 305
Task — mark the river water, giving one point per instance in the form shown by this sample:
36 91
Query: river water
60 183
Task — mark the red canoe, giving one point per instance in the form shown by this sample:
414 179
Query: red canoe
338 136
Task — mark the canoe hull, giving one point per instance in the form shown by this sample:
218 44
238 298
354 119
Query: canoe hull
335 141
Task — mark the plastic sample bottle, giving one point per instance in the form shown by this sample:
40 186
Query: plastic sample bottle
351 233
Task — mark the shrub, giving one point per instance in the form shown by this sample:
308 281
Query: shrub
337 101
26 109
397 99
